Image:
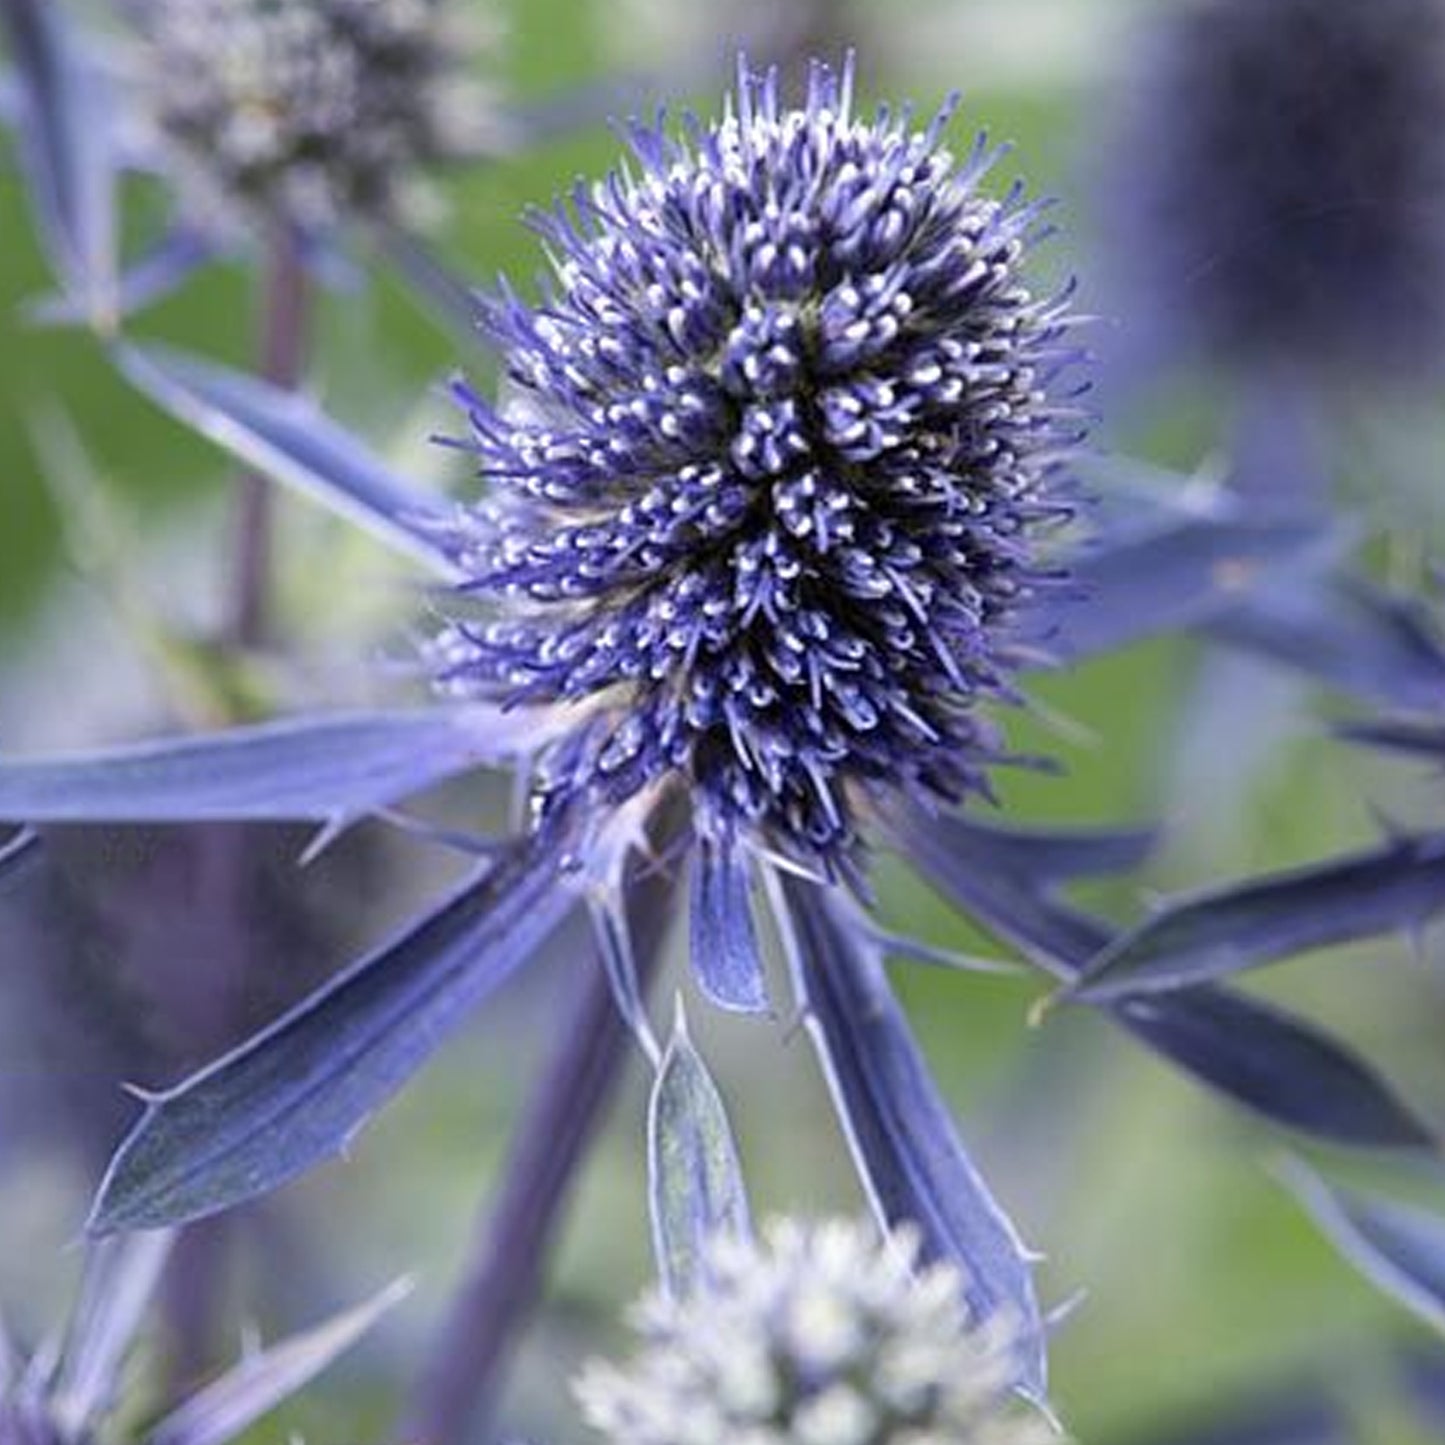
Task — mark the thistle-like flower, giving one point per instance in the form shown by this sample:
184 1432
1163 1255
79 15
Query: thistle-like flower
770 475
309 110
1287 173
820 1335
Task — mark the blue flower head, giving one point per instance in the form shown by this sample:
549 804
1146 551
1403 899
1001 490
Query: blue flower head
1284 178
767 480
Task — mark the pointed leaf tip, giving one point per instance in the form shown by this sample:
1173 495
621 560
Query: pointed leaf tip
294 1094
695 1181
1398 1248
1206 936
908 1152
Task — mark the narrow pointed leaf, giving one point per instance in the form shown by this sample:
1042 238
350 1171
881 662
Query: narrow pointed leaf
1400 1249
256 1386
1045 855
121 1276
1272 1063
903 1139
1425 739
1226 930
66 129
695 1181
1344 632
1277 1065
289 438
1127 588
317 768
450 298
296 1093
160 272
726 959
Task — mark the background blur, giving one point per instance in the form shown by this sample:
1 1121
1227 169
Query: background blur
1205 1285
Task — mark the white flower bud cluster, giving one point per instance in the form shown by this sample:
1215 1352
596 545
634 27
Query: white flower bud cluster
820 1335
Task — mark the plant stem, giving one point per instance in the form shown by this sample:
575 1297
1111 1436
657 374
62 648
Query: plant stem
500 1285
285 301
196 1273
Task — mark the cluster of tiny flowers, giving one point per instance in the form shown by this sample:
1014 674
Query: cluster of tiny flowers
308 108
766 484
820 1336
1291 165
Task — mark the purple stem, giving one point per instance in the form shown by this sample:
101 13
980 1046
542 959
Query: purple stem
285 292
459 1385
195 1283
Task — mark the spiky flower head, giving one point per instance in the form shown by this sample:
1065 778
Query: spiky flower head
310 108
1288 171
765 486
820 1335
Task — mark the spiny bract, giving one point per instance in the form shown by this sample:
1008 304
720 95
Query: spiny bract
820 1336
765 484
308 109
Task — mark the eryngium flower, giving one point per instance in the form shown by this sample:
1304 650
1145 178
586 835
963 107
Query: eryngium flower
1288 160
820 1335
306 108
765 487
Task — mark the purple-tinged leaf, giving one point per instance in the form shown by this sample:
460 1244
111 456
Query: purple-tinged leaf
320 768
120 1280
1257 1055
66 129
449 297
298 1092
1277 1065
174 259
1044 855
1210 935
695 1181
726 960
1420 739
1347 633
224 1409
1126 588
286 436
903 1139
1398 1248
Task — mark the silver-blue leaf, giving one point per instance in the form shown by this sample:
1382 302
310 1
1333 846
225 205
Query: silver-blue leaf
695 1181
1259 1056
297 1092
1143 582
1347 633
903 1139
726 960
289 438
226 1407
66 133
1399 1248
320 768
1223 931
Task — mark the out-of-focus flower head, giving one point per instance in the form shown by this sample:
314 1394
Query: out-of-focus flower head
820 1335
768 480
1283 180
310 108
